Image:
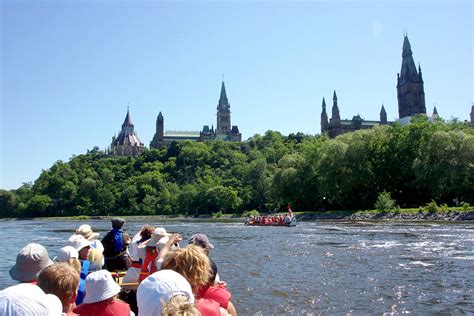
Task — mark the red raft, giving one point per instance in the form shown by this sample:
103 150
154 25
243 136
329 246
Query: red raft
288 222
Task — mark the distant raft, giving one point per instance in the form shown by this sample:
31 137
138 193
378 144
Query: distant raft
288 222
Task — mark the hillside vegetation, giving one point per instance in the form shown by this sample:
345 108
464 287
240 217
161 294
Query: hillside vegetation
414 164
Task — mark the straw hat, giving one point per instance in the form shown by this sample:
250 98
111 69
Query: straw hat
28 299
100 286
29 262
157 289
86 231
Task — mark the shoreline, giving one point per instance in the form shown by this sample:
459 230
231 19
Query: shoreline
451 215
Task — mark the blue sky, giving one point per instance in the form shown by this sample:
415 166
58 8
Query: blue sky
70 68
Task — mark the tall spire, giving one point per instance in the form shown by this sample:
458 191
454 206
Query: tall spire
383 115
128 121
324 118
410 91
335 119
408 72
223 113
223 94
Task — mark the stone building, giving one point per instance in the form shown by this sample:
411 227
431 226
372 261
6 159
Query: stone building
127 142
224 130
410 91
410 95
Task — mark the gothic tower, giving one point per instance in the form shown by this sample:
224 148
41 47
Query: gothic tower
160 127
223 113
383 116
324 118
410 91
335 119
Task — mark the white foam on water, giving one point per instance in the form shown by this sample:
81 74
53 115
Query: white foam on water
387 245
421 263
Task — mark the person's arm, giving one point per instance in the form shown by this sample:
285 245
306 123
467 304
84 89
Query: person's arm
173 239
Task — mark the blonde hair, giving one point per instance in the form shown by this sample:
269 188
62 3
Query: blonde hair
191 262
60 279
95 256
179 305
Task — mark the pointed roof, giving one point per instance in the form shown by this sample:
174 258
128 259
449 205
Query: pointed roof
223 93
382 111
324 105
128 120
334 97
408 73
435 111
160 115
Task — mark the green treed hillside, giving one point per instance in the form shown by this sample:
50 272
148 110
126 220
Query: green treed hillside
415 164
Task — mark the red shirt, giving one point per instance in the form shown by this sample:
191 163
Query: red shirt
104 308
207 307
219 294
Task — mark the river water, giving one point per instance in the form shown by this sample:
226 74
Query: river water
328 267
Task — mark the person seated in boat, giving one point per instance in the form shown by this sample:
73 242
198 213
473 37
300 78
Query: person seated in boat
115 247
95 256
166 293
137 254
194 265
69 255
148 267
62 280
28 299
82 247
217 291
29 262
101 298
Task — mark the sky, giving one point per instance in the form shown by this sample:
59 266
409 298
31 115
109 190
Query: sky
69 69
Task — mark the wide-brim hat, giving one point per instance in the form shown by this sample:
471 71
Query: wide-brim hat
29 262
100 286
157 289
157 234
28 299
86 231
78 242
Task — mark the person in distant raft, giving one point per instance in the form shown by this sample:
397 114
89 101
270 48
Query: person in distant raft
115 247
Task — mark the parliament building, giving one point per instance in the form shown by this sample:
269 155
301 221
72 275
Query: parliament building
410 94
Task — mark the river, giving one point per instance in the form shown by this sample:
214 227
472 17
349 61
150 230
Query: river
325 267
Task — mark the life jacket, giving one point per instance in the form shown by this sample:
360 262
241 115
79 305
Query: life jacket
104 308
207 307
148 266
219 294
81 291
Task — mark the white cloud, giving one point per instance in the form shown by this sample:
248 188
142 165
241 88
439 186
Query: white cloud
377 29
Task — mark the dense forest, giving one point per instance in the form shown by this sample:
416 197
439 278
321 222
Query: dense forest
416 164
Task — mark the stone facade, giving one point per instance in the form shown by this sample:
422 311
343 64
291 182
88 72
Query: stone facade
224 130
410 94
335 126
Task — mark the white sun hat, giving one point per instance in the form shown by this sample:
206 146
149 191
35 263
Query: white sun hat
100 286
157 289
28 299
29 262
78 242
66 253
